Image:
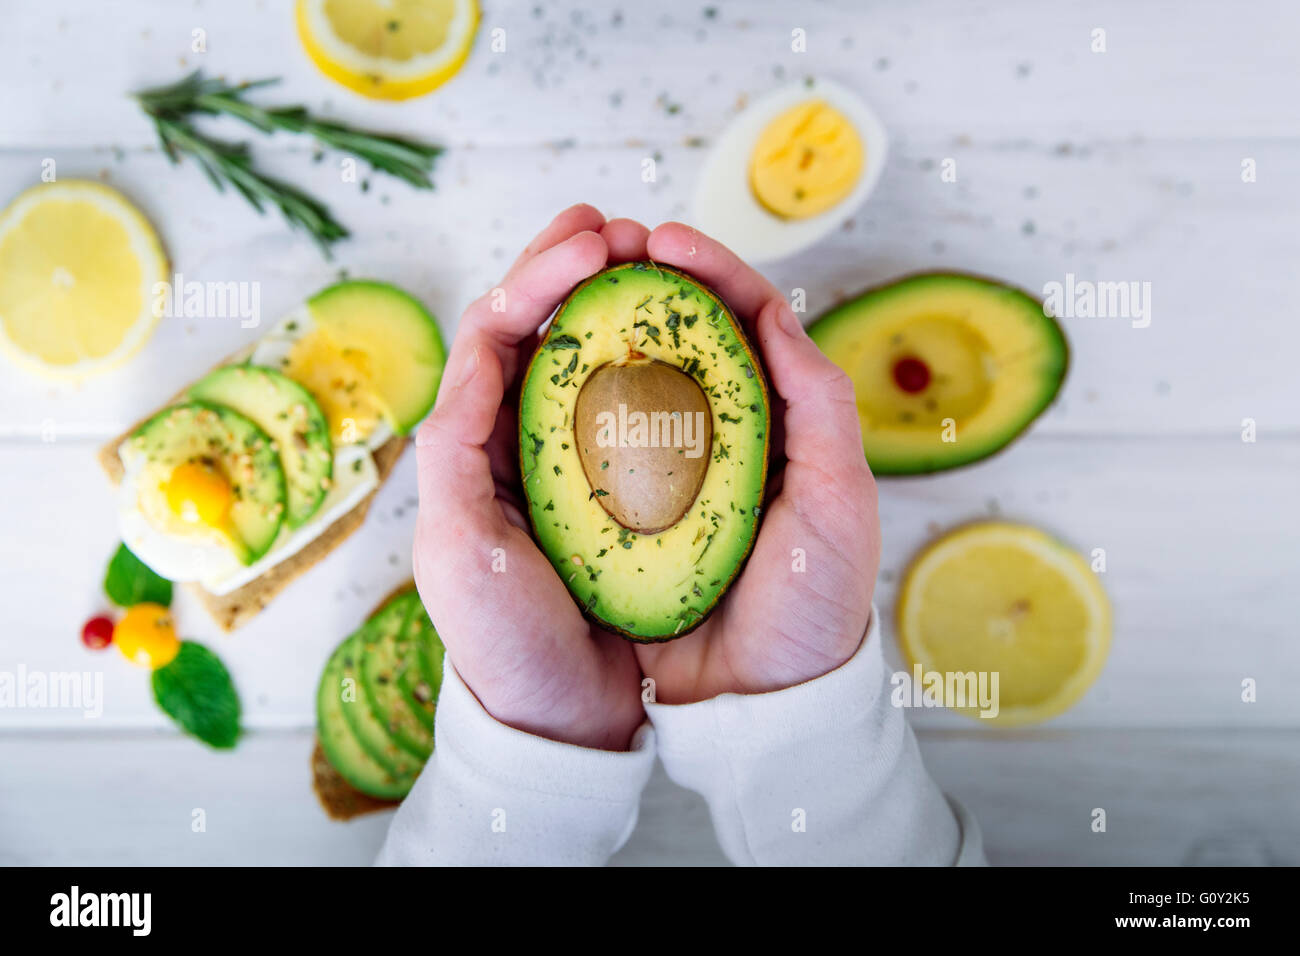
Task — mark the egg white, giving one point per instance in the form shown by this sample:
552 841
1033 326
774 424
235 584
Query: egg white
725 205
213 565
274 348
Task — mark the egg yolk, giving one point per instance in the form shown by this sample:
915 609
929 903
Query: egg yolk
806 161
340 380
199 494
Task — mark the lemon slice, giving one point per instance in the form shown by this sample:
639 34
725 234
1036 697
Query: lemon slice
78 267
1006 599
388 49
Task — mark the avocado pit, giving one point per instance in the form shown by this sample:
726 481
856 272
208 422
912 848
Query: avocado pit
643 431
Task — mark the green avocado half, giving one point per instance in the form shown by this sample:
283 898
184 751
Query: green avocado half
948 368
643 442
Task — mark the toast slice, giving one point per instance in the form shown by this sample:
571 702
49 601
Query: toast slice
244 603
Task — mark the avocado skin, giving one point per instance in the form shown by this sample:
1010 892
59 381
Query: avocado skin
746 544
923 467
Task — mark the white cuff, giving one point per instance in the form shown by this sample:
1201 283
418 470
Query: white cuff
823 773
491 794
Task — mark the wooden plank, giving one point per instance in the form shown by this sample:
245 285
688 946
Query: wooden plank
133 796
1177 70
1200 568
1171 798
1018 211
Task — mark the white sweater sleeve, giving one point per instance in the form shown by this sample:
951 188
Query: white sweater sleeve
491 794
823 773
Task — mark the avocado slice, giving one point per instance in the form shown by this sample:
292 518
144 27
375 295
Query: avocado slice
420 684
384 341
388 654
643 443
376 698
371 726
287 412
948 367
339 741
220 437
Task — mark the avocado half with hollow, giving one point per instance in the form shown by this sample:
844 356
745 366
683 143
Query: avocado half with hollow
948 368
643 442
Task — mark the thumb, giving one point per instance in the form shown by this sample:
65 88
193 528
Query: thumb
454 470
822 429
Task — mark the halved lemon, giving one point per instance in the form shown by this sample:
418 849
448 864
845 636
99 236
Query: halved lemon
1005 599
78 270
388 49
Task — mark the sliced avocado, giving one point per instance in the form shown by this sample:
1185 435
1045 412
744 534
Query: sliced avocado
391 344
370 727
421 684
948 368
646 519
342 747
388 654
287 412
220 437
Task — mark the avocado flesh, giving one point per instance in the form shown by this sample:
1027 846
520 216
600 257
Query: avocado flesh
287 412
236 447
388 654
341 745
370 726
421 684
659 585
380 738
391 343
981 361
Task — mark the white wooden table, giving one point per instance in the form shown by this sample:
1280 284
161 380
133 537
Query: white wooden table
1122 165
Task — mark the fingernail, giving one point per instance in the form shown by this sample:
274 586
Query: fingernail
789 322
468 368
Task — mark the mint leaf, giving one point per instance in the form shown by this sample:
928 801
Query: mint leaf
130 581
195 690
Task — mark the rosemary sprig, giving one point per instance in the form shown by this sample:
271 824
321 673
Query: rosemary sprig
407 159
225 162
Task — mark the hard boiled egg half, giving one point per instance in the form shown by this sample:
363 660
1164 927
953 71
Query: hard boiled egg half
789 169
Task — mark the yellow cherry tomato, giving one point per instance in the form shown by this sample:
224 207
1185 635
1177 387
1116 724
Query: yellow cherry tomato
147 637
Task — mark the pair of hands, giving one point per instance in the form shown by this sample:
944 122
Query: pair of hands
517 638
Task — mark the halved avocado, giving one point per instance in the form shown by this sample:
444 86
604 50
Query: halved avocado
643 440
381 339
287 412
233 445
948 368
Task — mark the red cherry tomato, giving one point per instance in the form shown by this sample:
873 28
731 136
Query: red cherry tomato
97 633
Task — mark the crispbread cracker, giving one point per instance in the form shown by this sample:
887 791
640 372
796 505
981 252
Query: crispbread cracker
241 605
